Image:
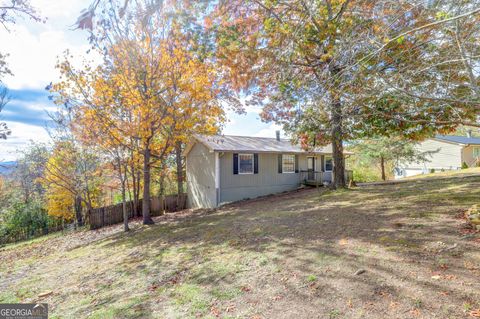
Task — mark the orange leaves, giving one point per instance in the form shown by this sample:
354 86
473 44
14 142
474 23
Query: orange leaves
475 313
151 89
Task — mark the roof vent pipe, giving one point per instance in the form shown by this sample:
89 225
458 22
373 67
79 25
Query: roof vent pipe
277 133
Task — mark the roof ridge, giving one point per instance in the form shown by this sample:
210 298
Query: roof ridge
249 136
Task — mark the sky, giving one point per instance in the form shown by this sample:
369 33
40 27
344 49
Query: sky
34 49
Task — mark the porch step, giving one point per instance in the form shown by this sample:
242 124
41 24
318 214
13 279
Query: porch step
312 183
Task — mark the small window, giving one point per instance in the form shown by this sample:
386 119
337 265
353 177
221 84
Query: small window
476 152
328 164
245 163
288 163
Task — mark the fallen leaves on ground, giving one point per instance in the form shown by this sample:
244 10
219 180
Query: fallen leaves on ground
475 313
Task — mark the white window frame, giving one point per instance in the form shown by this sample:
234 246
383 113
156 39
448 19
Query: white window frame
325 164
478 152
283 164
253 163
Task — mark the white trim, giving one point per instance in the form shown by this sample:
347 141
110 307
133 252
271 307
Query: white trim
253 164
473 151
283 164
217 170
448 142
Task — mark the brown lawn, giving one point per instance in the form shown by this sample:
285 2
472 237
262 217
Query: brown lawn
388 251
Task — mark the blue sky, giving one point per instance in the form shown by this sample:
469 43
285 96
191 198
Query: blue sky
34 49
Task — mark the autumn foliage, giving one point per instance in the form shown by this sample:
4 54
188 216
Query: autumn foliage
152 91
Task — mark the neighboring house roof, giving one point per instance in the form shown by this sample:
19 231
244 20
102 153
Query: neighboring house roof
464 140
230 143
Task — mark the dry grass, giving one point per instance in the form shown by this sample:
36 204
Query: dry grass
457 173
289 256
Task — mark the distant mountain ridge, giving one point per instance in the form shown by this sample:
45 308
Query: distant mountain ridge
7 167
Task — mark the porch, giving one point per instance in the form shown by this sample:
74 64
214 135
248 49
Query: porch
319 178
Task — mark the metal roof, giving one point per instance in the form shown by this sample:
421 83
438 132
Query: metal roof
230 143
459 139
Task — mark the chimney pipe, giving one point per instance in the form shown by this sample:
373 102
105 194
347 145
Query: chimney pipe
277 133
469 133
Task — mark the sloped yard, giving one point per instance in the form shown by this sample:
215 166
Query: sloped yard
389 251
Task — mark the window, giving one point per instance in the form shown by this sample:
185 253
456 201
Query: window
476 152
288 163
245 163
328 164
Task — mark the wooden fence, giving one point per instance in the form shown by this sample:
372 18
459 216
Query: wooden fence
27 233
113 214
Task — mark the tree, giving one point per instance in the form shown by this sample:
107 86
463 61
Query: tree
72 180
10 10
151 91
321 67
295 56
90 129
389 151
30 169
467 131
426 82
4 99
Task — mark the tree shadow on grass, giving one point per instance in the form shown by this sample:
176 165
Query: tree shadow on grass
328 236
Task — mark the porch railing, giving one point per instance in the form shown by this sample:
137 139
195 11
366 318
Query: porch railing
318 177
312 177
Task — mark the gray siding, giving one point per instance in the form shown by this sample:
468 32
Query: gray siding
267 181
200 171
449 156
446 156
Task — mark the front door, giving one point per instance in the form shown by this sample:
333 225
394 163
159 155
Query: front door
311 168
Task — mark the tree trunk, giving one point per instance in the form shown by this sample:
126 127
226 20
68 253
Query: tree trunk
78 211
337 146
382 164
178 158
147 219
134 188
137 191
124 208
123 180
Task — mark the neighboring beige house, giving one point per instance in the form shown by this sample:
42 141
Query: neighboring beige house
222 169
448 153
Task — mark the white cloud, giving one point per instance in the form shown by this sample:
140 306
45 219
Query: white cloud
34 47
22 134
270 131
65 8
33 57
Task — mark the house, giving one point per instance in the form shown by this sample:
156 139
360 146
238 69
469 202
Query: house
222 169
448 153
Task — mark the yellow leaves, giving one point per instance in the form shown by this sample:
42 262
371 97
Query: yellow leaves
59 172
149 94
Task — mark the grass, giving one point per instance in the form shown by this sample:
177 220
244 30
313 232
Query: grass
453 173
293 255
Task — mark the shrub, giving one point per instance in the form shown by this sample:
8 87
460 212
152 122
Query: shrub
366 174
464 165
25 221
